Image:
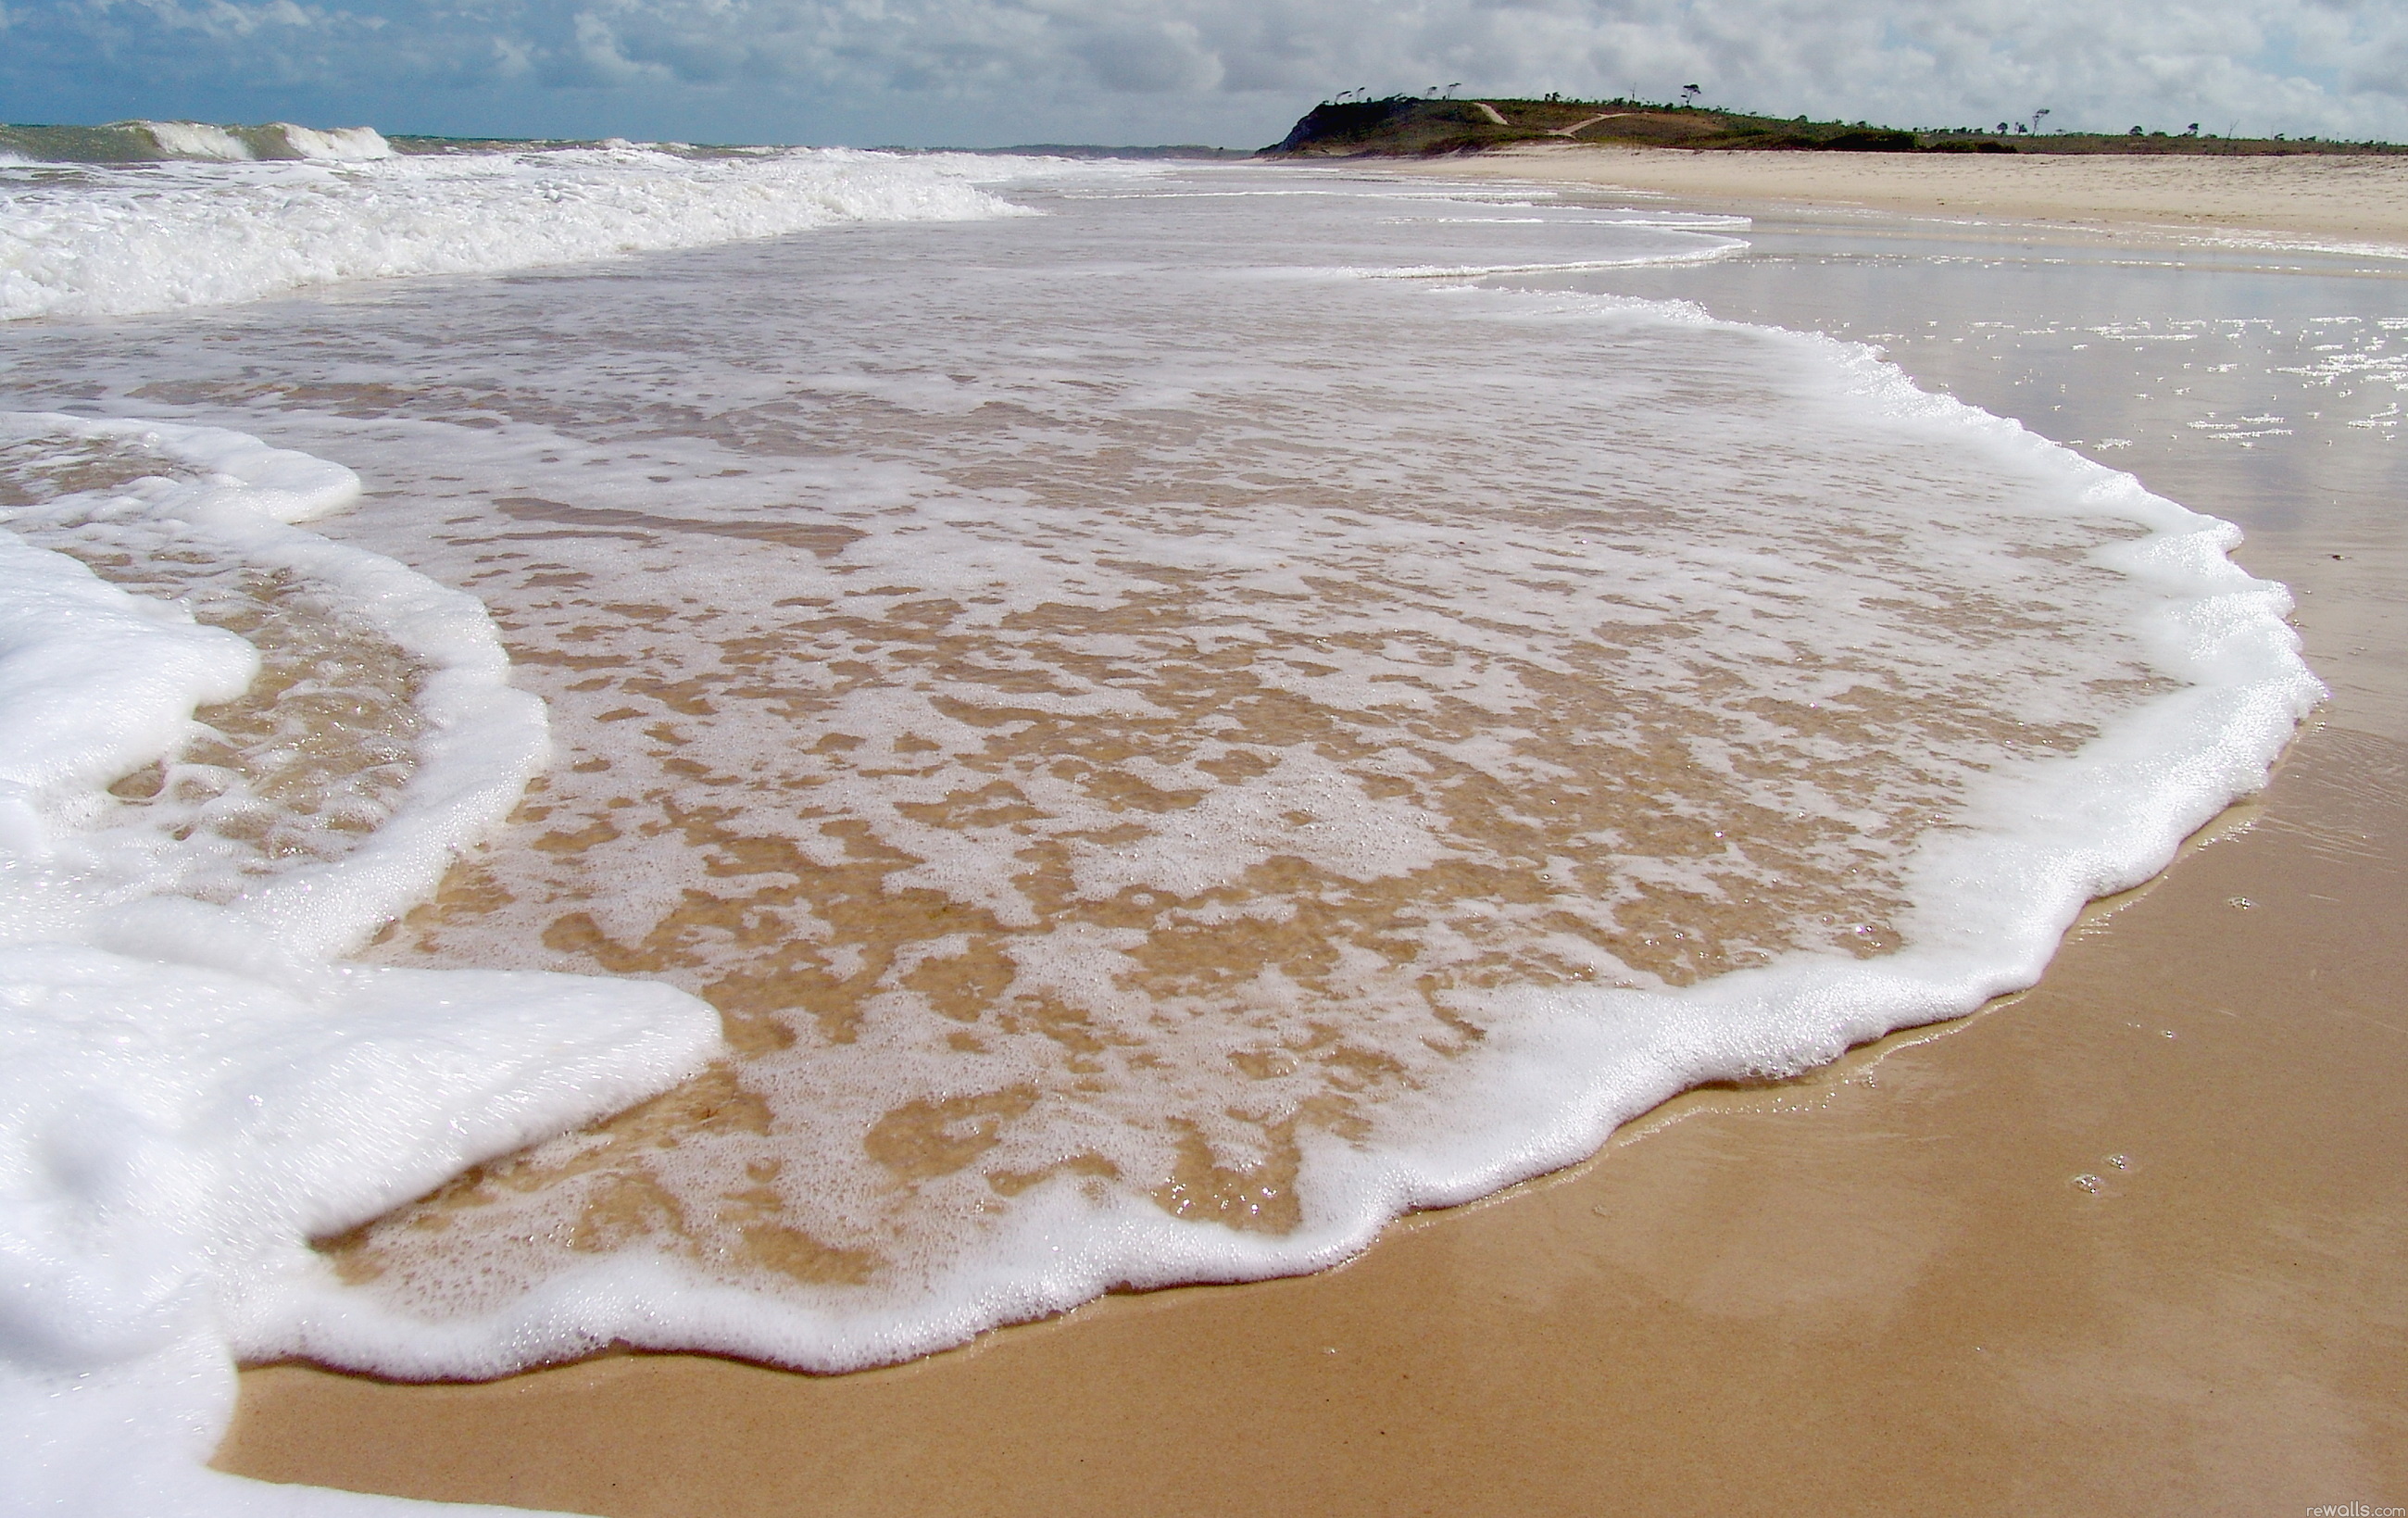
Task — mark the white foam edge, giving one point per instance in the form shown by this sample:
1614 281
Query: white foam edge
63 633
2260 242
1705 248
189 1093
484 741
1562 1068
1720 248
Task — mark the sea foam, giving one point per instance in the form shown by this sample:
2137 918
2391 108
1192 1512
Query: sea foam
227 224
1072 774
1124 1112
190 1090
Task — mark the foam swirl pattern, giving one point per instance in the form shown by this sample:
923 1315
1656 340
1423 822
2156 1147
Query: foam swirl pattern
1166 755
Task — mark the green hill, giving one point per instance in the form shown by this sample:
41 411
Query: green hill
1416 126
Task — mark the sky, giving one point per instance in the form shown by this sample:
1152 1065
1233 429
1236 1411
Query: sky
1231 73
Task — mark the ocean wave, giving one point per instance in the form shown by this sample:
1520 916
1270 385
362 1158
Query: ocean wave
206 142
117 241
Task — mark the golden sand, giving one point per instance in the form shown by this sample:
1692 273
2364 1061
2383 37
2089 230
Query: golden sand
2348 199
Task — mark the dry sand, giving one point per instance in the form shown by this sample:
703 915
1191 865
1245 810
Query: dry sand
2135 1240
2345 199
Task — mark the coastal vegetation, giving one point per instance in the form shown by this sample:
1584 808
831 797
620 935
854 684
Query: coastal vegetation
1423 125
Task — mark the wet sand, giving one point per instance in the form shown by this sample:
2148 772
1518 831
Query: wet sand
1919 1280
2138 1237
2346 199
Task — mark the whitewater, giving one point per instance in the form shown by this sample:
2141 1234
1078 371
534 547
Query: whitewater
805 754
212 221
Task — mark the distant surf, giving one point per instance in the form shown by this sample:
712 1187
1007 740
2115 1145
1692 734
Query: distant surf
155 216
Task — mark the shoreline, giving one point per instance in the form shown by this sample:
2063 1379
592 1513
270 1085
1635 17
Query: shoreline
2356 200
1917 1278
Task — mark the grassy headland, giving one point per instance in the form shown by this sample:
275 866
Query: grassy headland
1416 127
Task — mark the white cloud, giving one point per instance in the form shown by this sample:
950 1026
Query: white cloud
224 20
1149 57
594 57
1014 69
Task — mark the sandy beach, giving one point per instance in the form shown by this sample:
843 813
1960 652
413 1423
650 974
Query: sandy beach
2335 199
2136 1237
2133 1237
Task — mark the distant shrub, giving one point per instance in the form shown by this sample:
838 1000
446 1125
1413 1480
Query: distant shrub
1876 140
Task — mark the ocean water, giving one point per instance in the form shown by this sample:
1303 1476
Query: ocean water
806 753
